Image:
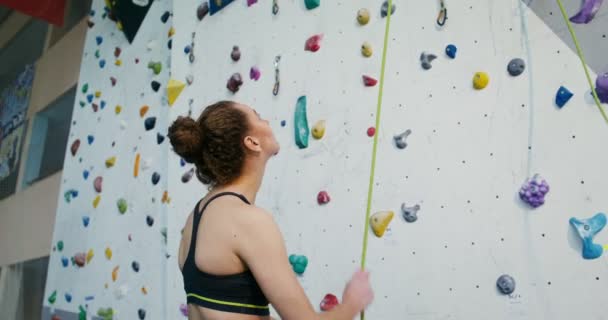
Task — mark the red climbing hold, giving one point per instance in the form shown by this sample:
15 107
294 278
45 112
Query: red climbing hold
75 146
95 107
313 43
80 259
117 52
371 131
369 81
55 317
323 197
329 302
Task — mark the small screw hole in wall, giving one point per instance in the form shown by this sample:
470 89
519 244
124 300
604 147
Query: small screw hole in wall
582 181
597 278
502 239
543 235
477 286
446 246
549 283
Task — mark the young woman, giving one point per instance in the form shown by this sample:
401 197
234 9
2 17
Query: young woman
232 255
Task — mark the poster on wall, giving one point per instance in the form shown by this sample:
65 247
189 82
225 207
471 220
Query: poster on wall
14 101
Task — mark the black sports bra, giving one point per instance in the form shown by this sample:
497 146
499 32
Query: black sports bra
237 293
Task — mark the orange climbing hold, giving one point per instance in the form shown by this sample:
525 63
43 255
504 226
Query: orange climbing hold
96 201
166 198
136 166
144 290
143 110
115 273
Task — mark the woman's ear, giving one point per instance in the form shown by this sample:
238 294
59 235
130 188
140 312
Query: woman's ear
252 143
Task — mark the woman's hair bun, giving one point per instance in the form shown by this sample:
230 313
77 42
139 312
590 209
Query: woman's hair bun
186 138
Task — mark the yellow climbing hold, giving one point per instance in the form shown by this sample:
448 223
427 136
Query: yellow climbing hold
606 247
174 88
105 285
136 166
366 49
118 109
115 274
480 80
96 201
171 32
143 110
108 253
318 130
97 94
110 162
90 255
119 25
118 62
379 222
363 16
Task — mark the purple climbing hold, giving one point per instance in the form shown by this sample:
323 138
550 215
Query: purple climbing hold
533 191
97 183
251 2
85 221
155 178
587 11
159 138
254 73
99 40
235 55
155 85
183 309
234 83
202 10
64 261
601 87
90 139
150 123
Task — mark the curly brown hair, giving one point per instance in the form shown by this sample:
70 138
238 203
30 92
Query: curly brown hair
213 143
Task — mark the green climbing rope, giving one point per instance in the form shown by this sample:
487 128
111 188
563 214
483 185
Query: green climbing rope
580 55
370 189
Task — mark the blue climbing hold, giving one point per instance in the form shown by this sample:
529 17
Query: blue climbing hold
85 174
562 96
283 123
68 297
90 97
450 51
159 138
85 221
102 63
187 49
90 138
587 229
149 123
103 104
155 178
99 40
182 162
89 298
64 261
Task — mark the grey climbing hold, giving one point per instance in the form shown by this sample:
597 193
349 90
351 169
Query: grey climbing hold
426 59
384 10
400 139
516 67
187 175
505 284
410 214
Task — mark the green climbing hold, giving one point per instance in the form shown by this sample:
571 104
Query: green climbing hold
97 53
298 263
301 123
53 297
85 88
106 313
82 313
311 4
155 66
60 245
122 205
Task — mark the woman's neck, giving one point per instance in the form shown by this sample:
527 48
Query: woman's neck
248 184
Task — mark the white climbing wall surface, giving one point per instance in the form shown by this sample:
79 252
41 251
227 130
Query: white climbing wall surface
463 161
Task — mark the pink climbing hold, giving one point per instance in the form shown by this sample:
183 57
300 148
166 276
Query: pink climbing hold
329 302
80 259
313 43
371 131
251 2
254 73
75 146
97 183
369 81
323 197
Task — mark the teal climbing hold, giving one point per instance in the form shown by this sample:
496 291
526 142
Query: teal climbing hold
85 88
53 297
70 194
298 263
586 230
301 123
311 4
60 245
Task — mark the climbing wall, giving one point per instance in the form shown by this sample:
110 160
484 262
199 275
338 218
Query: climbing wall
468 152
109 249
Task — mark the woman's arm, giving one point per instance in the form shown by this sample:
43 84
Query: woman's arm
262 248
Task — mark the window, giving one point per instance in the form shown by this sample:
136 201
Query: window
49 138
22 289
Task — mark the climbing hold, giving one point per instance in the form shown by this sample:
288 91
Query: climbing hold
115 273
586 230
97 183
254 73
99 40
135 266
384 9
329 302
426 59
601 87
113 81
533 191
311 4
187 175
106 313
562 96
313 43
235 55
410 214
90 97
144 290
235 82
149 123
80 259
117 109
102 63
505 284
283 123
122 205
516 67
369 81
202 10
121 292
451 50
141 313
136 165
165 198
53 297
174 89
90 255
149 221
155 178
366 49
251 2
298 263
400 139
480 80
171 32
363 16
301 123
75 146
371 131
110 162
156 67
85 174
275 88
159 138
108 253
96 201
70 194
64 261
189 79
103 104
60 245
323 197
97 55
118 62
155 85
97 94
187 49
275 7
318 130
165 16
143 110
82 103
85 221
85 88
379 222
95 107
587 11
